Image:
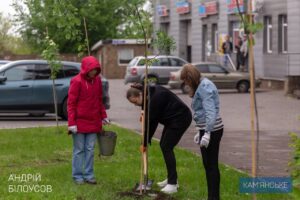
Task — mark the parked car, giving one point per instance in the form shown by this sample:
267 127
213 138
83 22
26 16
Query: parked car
3 62
158 72
26 87
224 78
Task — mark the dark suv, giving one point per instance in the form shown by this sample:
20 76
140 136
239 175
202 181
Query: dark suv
26 87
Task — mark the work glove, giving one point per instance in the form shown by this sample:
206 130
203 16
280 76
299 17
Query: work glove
143 149
105 121
72 129
205 140
141 116
197 138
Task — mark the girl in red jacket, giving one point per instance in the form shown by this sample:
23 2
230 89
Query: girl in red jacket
86 113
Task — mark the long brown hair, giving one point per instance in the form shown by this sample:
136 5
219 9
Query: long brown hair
191 77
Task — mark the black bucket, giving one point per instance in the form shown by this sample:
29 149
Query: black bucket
107 142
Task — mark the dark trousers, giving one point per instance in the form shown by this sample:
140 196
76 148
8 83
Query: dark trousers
210 158
239 60
169 139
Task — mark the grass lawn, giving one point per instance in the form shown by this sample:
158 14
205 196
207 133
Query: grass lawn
43 151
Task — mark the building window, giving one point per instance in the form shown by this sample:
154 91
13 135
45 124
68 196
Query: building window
125 56
283 31
165 27
268 34
214 38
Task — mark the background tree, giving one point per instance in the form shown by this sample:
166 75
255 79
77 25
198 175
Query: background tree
164 43
17 46
10 43
5 25
64 19
141 20
130 28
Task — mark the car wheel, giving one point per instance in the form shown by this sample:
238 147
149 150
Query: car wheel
64 114
243 87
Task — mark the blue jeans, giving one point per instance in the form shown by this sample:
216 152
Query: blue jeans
226 59
83 156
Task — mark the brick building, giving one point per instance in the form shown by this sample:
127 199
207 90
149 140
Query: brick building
114 55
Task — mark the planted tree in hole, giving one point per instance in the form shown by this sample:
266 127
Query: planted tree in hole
51 54
68 21
164 44
251 28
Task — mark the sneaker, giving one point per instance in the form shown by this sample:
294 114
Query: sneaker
170 189
163 183
79 182
91 181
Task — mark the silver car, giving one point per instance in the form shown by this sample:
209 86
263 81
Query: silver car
158 72
224 78
3 62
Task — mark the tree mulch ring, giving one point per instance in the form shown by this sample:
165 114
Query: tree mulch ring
156 195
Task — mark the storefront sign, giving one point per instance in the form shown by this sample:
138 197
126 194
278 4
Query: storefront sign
162 11
183 7
232 6
116 42
211 8
208 8
202 10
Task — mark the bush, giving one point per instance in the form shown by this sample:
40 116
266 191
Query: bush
295 163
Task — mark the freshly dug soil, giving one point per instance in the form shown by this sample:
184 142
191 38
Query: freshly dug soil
151 193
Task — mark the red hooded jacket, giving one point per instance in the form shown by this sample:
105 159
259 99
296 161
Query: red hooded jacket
85 107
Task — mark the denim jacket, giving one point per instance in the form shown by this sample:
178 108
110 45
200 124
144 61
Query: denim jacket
205 105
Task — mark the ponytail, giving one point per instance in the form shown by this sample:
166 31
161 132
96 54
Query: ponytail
138 86
135 90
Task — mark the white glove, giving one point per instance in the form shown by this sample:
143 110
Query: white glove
197 138
205 140
72 129
105 121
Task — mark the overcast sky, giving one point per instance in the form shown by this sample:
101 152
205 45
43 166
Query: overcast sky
6 8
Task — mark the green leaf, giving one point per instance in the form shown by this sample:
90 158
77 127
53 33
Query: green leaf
164 43
63 21
295 163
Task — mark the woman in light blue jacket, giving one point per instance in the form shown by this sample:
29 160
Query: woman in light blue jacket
205 105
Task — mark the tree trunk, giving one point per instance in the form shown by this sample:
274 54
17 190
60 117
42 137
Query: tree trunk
55 103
